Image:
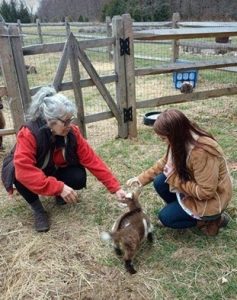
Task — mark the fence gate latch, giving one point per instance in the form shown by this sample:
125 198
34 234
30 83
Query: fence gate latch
124 46
127 114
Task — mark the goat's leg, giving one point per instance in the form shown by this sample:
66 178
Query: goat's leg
129 253
116 244
117 250
129 266
150 237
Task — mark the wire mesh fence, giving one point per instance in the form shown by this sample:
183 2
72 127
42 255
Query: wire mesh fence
45 67
146 54
155 54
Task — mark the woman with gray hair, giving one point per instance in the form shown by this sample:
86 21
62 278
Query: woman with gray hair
50 157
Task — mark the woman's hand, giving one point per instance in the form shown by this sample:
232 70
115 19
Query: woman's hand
68 194
134 182
120 194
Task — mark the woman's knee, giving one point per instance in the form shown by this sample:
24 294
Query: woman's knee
159 183
78 181
164 218
173 216
162 189
75 177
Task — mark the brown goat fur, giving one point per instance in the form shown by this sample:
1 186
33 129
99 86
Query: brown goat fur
130 229
186 88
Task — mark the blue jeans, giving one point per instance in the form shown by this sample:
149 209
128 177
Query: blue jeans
172 215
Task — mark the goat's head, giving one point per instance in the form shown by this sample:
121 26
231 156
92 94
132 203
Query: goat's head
186 87
131 200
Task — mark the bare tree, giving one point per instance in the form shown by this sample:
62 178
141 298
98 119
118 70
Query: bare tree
57 9
92 9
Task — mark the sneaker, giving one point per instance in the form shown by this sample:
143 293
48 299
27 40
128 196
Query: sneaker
41 222
59 201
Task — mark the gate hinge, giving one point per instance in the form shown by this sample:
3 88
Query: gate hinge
124 46
127 114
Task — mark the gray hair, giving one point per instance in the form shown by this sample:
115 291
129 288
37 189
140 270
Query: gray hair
48 104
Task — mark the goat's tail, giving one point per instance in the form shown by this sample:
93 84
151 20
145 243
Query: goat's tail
105 236
114 236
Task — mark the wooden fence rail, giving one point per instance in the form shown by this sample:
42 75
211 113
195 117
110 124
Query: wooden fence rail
72 52
124 106
107 29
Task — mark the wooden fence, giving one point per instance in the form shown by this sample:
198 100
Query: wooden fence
124 106
107 26
67 26
105 29
186 33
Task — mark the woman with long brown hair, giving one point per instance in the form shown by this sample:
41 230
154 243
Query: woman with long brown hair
192 177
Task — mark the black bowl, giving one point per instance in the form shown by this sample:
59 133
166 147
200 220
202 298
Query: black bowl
150 117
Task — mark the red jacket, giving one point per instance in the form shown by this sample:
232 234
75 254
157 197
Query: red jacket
34 178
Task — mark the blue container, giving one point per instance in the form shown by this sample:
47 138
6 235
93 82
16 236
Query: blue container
187 75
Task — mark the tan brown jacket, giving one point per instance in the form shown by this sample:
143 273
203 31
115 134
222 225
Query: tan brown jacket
211 190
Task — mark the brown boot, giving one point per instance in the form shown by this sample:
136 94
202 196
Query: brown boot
211 228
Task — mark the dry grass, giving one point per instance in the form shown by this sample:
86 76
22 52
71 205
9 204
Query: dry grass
68 262
71 262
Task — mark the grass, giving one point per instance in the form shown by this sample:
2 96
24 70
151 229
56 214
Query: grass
71 262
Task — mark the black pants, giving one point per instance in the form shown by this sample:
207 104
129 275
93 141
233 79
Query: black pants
73 176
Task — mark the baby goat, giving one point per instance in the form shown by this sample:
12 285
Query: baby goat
186 87
130 229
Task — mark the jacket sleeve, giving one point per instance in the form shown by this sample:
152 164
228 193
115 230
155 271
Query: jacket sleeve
91 161
149 175
205 169
26 171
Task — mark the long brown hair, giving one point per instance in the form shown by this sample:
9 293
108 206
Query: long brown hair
174 125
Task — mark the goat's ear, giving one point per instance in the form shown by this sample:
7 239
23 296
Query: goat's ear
129 196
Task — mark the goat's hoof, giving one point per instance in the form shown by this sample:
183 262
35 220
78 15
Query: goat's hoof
118 251
132 271
129 267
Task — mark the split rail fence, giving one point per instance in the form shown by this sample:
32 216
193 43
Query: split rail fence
73 51
124 106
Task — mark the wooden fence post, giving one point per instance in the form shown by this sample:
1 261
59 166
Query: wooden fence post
74 63
67 27
109 34
62 66
130 75
175 46
121 98
20 30
10 78
20 67
39 31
